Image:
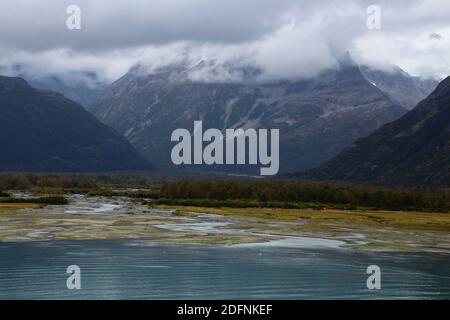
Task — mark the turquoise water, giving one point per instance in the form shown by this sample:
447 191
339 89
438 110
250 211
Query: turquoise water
132 270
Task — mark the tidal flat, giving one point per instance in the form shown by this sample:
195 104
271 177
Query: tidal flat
108 218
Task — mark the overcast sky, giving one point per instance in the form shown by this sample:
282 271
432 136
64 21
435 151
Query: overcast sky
286 38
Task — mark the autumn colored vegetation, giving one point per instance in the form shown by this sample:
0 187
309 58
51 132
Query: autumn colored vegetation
237 193
297 194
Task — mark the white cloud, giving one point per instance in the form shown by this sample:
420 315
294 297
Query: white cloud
285 38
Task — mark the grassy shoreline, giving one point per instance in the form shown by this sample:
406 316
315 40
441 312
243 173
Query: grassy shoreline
365 218
380 230
360 230
423 220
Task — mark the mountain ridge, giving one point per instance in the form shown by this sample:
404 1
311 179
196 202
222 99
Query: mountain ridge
413 150
316 118
43 131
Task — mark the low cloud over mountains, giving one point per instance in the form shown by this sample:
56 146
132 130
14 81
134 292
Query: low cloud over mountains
286 39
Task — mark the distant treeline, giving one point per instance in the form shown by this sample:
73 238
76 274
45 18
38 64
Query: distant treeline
88 182
231 192
26 181
294 194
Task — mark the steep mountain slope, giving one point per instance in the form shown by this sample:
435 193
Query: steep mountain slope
43 131
316 118
401 88
414 150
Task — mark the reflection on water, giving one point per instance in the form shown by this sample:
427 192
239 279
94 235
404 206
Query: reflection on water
134 270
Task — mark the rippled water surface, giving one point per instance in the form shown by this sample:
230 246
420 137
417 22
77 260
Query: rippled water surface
134 270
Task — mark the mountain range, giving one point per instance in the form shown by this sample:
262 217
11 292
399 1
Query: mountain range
413 150
44 131
317 117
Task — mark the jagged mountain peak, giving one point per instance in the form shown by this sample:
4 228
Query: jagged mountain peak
316 117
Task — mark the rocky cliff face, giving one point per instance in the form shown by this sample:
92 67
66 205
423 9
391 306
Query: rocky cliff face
401 88
317 118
